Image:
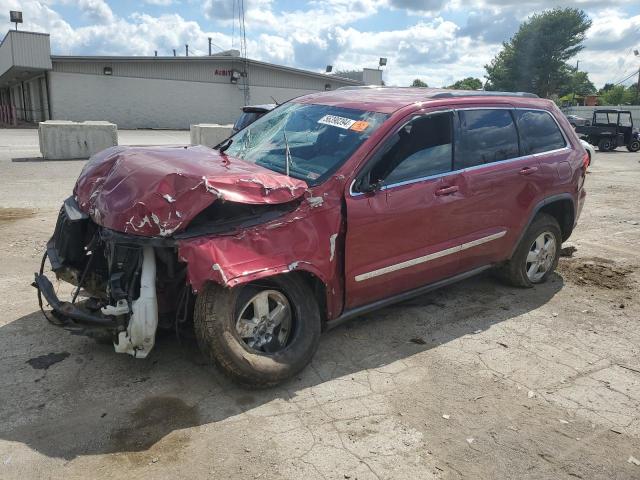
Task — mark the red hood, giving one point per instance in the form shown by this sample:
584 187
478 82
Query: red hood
153 191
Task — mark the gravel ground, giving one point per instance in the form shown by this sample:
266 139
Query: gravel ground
474 381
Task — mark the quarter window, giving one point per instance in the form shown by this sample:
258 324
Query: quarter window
421 148
538 132
485 136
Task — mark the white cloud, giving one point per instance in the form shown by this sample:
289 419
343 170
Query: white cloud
323 32
96 11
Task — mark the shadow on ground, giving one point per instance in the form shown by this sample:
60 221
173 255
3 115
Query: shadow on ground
67 396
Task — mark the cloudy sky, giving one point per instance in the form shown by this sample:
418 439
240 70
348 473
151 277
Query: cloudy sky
436 40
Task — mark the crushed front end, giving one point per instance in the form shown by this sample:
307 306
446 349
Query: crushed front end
124 286
147 227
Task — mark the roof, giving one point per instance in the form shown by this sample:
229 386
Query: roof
610 110
267 107
391 99
218 58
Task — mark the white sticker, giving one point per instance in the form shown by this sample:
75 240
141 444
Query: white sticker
336 121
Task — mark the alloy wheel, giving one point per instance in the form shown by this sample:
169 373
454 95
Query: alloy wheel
265 321
541 256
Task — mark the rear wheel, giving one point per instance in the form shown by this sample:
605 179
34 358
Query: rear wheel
536 256
258 334
634 146
605 145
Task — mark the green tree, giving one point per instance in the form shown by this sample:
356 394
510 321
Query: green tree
535 59
581 85
619 95
469 83
419 83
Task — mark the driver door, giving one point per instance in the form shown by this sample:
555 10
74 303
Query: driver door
398 236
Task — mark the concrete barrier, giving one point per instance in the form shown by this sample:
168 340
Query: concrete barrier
209 134
62 140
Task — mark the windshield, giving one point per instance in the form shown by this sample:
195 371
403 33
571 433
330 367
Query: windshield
314 140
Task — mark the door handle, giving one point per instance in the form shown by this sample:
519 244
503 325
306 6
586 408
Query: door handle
528 170
447 190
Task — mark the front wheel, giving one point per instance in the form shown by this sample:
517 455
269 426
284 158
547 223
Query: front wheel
634 146
536 256
258 334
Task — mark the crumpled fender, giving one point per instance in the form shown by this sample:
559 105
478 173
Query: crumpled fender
306 239
157 191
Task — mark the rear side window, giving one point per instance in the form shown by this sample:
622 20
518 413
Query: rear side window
421 148
485 136
538 132
625 119
247 118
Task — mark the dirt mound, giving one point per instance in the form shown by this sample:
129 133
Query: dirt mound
595 272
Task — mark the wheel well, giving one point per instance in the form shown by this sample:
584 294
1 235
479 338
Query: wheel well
562 211
318 288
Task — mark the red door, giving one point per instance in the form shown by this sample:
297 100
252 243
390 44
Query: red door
399 238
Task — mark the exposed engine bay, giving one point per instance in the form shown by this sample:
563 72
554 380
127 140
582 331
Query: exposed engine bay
130 285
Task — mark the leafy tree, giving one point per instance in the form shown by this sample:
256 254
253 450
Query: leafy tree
469 83
581 85
535 59
619 95
607 87
419 83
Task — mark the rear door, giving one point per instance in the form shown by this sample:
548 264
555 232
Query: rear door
502 183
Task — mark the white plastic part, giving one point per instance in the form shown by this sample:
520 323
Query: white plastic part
140 336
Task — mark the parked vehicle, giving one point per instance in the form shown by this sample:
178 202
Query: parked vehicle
611 129
590 151
328 207
250 114
577 121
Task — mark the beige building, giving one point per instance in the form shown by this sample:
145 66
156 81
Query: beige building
143 92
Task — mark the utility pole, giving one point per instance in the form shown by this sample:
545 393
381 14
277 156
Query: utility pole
155 53
637 54
174 52
209 46
186 49
573 100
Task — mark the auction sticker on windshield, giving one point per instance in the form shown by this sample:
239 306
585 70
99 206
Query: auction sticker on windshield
335 121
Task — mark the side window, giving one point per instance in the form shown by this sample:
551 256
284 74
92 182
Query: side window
421 148
538 132
625 119
485 136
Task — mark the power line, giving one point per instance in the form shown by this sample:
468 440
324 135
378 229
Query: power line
625 79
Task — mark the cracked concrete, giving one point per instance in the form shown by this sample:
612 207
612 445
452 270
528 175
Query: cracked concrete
475 381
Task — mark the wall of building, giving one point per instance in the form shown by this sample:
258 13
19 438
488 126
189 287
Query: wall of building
214 69
153 103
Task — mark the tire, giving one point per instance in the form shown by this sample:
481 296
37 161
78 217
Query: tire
634 146
217 310
605 145
514 271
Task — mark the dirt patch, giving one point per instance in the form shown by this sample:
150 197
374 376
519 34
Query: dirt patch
11 214
596 272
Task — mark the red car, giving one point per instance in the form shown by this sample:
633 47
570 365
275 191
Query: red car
329 206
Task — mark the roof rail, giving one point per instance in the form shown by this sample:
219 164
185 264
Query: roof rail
467 93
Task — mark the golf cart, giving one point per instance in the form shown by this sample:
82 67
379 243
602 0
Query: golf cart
610 129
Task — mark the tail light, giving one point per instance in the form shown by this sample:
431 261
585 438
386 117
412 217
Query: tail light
586 160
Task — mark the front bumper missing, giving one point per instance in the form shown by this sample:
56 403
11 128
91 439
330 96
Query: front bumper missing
69 314
135 337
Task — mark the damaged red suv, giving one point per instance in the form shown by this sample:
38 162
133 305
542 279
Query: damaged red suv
329 206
